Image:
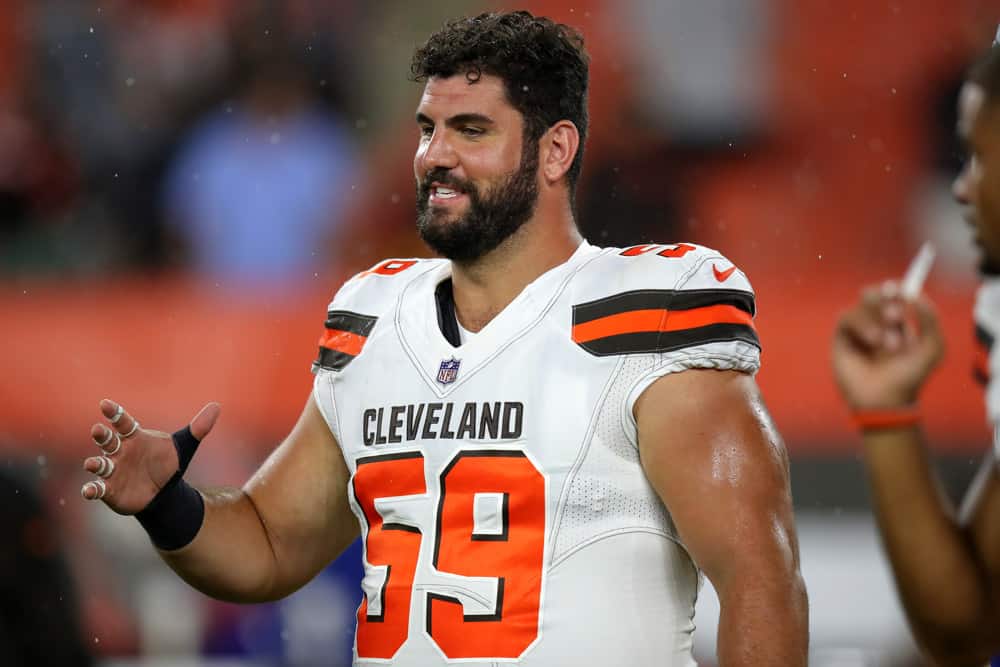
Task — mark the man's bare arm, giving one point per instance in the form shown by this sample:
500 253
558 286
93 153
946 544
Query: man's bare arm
980 514
946 567
709 449
940 570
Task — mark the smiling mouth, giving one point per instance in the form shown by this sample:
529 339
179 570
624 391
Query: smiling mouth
441 192
443 195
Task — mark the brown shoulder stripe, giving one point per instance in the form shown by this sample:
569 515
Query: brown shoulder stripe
981 363
645 321
346 334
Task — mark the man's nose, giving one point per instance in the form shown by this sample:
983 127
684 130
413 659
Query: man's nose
960 186
439 154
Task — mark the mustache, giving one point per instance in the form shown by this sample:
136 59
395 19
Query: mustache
444 177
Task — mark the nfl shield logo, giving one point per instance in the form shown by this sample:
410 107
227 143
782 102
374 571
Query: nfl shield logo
448 371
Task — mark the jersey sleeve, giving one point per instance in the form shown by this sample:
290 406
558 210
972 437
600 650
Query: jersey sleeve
684 307
352 319
356 308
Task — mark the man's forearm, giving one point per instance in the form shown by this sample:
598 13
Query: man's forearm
231 557
763 621
938 576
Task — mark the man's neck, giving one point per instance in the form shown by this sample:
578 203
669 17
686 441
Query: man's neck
482 289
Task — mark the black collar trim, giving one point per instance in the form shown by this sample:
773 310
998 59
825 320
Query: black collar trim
444 295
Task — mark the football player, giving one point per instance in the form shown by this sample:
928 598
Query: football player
543 444
946 564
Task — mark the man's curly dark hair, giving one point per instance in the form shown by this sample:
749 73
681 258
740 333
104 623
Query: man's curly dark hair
542 63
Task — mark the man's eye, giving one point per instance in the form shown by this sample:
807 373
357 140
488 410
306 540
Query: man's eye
472 131
426 130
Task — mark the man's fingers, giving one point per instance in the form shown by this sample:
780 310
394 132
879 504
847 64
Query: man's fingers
928 327
102 466
871 297
884 302
101 435
882 317
862 328
205 420
926 315
882 321
107 439
94 490
120 419
890 289
111 410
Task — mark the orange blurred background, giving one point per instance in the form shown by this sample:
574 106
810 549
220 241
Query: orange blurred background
810 141
821 195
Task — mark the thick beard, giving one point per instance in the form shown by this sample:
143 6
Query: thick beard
492 217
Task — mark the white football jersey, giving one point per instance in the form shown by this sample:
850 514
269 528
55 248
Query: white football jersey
987 368
503 508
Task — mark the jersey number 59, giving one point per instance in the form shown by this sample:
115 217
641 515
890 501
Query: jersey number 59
490 530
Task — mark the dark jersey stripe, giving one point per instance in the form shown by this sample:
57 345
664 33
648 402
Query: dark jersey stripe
984 337
981 365
355 323
654 341
332 360
662 299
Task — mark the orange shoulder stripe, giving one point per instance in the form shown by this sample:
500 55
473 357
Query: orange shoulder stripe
343 341
644 321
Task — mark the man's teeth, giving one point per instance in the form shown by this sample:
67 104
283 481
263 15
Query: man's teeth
444 193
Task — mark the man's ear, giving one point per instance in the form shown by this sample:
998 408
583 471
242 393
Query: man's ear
558 148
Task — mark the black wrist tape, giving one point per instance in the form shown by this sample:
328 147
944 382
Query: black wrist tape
174 516
176 513
186 444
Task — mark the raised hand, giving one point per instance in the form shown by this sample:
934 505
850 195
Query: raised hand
884 348
135 463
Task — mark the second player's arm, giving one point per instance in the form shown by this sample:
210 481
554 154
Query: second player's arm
947 568
292 517
928 544
709 449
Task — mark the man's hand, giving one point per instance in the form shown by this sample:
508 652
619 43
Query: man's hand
285 525
136 462
884 348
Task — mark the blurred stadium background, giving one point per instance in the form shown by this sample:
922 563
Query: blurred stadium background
184 183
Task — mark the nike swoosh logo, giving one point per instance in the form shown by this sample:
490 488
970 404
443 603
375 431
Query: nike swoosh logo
723 276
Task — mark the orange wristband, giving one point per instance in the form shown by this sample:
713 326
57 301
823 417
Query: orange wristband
873 420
